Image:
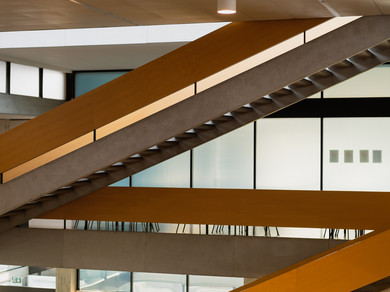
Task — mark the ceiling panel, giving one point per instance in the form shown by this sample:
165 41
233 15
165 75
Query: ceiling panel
265 10
53 14
166 12
127 10
355 7
109 57
383 5
47 14
303 8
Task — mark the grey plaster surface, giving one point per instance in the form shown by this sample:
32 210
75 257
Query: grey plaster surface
235 256
14 106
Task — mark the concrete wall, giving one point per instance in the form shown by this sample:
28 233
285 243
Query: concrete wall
250 257
6 124
14 106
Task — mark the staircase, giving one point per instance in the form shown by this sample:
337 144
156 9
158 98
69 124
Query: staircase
256 93
346 267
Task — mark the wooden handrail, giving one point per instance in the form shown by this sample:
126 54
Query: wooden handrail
346 267
317 209
144 86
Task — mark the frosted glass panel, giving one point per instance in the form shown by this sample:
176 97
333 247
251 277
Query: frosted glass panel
288 154
149 282
86 81
24 80
2 76
316 95
122 183
91 280
298 232
373 83
214 284
226 162
46 223
362 138
174 172
53 84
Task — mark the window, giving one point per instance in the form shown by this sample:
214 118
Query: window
24 80
288 154
150 282
364 137
53 84
92 280
226 162
3 76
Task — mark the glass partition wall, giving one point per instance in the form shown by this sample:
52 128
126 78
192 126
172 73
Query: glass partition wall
18 79
104 281
310 152
31 277
315 150
94 280
25 80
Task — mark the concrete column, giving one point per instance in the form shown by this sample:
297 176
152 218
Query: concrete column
66 280
3 126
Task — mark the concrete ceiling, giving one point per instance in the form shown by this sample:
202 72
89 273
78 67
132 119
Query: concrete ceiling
28 15
60 14
89 57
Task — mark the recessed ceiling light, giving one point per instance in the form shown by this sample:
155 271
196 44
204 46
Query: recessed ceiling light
226 6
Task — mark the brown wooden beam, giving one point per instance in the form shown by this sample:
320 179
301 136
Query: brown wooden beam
344 268
319 209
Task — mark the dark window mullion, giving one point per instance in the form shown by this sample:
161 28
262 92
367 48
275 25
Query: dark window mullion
8 78
41 82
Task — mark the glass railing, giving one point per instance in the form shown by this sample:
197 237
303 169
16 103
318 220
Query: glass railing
102 281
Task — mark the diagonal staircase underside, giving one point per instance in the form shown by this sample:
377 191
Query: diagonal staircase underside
269 87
